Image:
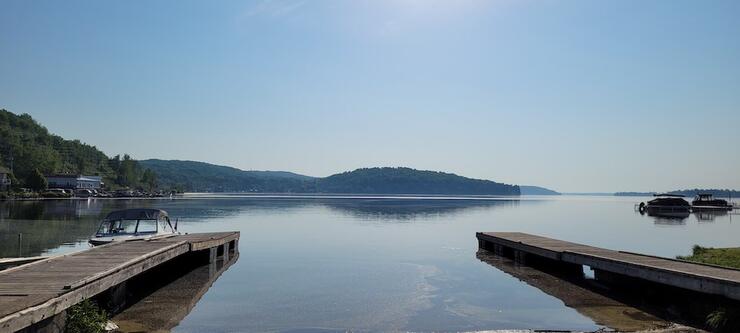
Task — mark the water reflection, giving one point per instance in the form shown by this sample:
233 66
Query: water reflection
375 264
166 307
65 225
680 218
45 225
577 293
408 210
709 215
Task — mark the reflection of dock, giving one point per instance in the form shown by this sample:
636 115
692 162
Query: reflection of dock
165 308
609 265
33 294
601 309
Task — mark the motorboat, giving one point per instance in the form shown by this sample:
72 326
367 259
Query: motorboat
666 204
134 224
706 201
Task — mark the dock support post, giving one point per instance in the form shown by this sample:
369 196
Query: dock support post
520 257
226 251
498 249
213 254
115 297
235 245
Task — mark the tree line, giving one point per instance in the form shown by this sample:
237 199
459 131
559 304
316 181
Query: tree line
30 152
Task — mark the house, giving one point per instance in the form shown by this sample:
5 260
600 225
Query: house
4 179
75 182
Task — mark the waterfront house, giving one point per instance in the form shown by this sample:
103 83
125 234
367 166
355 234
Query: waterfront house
75 182
4 179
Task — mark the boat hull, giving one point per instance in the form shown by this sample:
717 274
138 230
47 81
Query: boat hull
95 241
711 207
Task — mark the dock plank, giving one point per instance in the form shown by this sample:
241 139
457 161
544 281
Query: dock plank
694 276
45 287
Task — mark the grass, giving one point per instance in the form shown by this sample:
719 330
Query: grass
728 257
721 319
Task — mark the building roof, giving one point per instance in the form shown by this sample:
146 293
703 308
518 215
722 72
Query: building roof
136 214
78 177
62 176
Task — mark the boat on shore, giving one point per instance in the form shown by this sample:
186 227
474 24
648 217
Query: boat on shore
706 201
134 224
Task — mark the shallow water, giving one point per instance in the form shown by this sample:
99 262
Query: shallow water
376 264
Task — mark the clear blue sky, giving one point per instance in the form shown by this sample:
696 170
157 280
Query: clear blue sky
576 95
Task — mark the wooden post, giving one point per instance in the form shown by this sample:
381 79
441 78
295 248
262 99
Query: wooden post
520 257
226 252
20 245
213 253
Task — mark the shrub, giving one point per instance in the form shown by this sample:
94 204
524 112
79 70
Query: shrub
85 317
724 320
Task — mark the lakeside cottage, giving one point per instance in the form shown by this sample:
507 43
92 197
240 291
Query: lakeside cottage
75 182
4 179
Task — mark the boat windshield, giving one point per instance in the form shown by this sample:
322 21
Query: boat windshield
118 227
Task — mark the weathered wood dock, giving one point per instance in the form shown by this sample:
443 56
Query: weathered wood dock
610 265
38 291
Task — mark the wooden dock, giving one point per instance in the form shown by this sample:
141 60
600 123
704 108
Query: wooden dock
38 291
616 265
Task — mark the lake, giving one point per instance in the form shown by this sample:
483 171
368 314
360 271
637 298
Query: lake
322 264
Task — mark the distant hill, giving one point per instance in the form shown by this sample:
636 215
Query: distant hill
536 190
410 181
204 177
719 193
634 194
25 146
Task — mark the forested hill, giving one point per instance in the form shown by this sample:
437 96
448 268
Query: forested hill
195 176
718 193
410 181
30 151
27 146
204 177
536 190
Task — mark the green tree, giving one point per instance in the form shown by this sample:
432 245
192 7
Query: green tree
36 181
149 180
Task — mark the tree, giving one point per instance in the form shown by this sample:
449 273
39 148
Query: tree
129 172
149 179
36 181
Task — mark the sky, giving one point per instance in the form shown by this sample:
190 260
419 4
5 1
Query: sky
578 96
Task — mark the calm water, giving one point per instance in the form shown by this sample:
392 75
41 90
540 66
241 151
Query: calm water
376 264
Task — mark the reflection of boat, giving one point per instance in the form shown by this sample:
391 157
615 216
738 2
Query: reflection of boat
133 224
706 201
666 205
670 219
710 214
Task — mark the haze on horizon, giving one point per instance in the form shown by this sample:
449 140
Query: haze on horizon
577 96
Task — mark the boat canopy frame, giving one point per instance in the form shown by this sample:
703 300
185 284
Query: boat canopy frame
138 215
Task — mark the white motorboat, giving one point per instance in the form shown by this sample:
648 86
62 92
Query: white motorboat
134 224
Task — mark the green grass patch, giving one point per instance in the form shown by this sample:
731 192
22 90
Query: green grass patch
85 317
722 319
728 257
